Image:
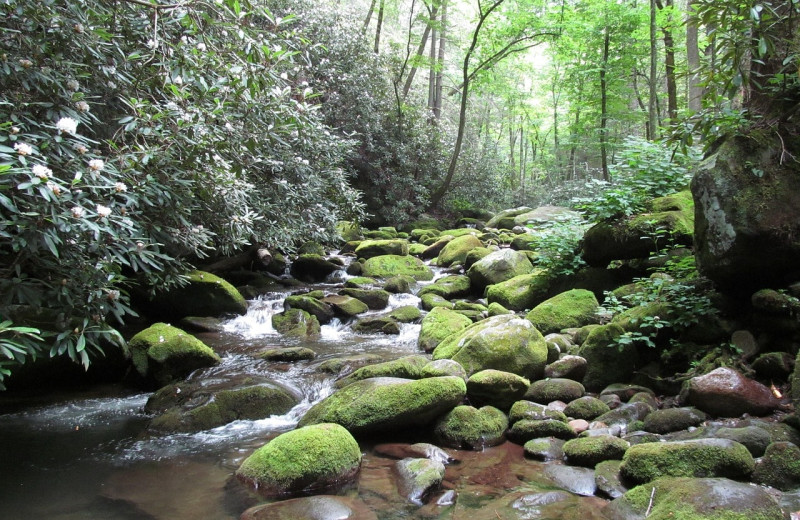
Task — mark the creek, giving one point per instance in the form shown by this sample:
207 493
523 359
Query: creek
89 454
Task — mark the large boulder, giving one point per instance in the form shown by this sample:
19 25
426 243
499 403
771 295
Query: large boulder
497 267
692 458
313 458
387 266
419 477
296 322
590 451
320 310
545 215
204 294
724 392
438 324
496 388
747 210
448 287
571 309
312 268
455 252
370 248
606 361
388 404
162 354
505 342
505 219
697 499
408 367
467 427
520 292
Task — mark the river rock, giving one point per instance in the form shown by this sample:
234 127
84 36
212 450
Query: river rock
296 322
520 292
467 427
399 284
545 449
375 299
371 248
311 458
695 498
548 390
506 343
590 451
162 354
606 362
433 246
625 414
567 367
448 287
673 419
586 407
574 308
444 367
575 480
387 266
287 354
724 392
418 478
505 219
419 450
607 479
320 310
408 367
525 430
439 323
693 458
318 507
497 267
204 294
388 404
455 252
779 467
496 388
312 268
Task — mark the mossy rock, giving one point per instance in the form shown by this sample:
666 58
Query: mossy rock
438 324
406 314
526 430
448 287
444 367
505 219
388 404
590 451
345 307
521 292
377 325
320 310
496 388
418 478
467 427
386 266
692 458
606 362
287 354
548 390
343 365
309 459
587 408
574 308
780 467
528 410
495 309
626 414
375 299
455 252
417 250
182 409
360 282
371 248
349 231
497 267
505 343
408 367
311 248
673 420
477 254
754 438
545 449
204 294
434 246
296 322
631 319
162 353
680 201
312 268
431 301
607 479
400 284
696 499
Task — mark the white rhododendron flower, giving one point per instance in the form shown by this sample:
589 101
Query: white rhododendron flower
82 106
120 187
77 211
67 125
23 148
103 211
41 171
96 165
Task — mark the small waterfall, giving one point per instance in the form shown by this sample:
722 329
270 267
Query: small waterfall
333 330
401 300
258 320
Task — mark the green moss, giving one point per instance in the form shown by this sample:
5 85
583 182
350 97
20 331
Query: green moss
399 284
590 451
607 363
586 407
780 466
520 292
438 324
372 248
345 306
681 201
310 458
495 309
322 311
525 430
574 308
448 287
431 301
375 299
165 353
386 266
554 389
360 282
406 314
296 322
205 294
496 388
287 354
456 250
471 428
528 410
409 367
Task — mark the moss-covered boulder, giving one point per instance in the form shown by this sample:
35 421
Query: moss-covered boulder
431 301
455 252
390 322
296 322
448 287
506 343
408 367
505 219
387 266
309 508
496 388
182 407
626 415
692 458
360 282
521 292
574 308
320 310
590 451
673 419
545 449
780 467
204 294
418 478
607 362
312 268
587 408
467 427
375 299
497 267
345 307
371 248
526 430
162 354
695 499
546 391
438 324
287 354
309 459
544 216
388 404
400 284
444 367
528 410
567 367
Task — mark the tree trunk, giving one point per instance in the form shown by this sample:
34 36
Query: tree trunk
695 91
652 113
604 107
437 98
669 61
420 50
369 16
432 59
380 27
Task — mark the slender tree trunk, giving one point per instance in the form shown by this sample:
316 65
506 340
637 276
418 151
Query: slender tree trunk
604 107
420 50
693 61
652 118
432 58
369 16
380 27
437 105
669 61
512 146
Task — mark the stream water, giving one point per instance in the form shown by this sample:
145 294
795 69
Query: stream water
89 455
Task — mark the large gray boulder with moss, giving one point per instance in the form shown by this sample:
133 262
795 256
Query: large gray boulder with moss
387 266
204 294
192 406
162 354
571 309
345 307
310 459
296 322
779 467
448 287
590 451
522 292
320 310
497 267
371 248
455 252
408 367
672 498
388 404
496 388
506 343
545 215
747 211
438 324
419 478
467 427
505 219
692 458
607 362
